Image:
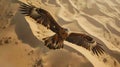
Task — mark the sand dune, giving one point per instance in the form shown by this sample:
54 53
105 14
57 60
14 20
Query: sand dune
93 59
21 42
89 20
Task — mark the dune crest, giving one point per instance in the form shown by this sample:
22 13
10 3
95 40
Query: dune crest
21 42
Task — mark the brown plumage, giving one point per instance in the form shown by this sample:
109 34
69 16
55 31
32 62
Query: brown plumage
56 41
45 18
86 42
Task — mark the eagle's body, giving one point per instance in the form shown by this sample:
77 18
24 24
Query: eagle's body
55 41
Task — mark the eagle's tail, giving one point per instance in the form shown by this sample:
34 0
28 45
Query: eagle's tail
53 42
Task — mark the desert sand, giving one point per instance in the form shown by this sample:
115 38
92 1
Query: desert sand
21 42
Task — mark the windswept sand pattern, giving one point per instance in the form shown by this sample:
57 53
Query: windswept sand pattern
101 25
21 42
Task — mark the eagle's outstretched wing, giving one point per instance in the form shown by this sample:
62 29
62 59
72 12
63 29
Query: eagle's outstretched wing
86 42
43 17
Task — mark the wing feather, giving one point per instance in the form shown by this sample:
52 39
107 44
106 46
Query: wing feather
86 42
41 16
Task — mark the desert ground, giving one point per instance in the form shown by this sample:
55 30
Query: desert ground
21 44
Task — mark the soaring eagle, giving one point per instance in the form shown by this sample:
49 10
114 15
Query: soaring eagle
55 41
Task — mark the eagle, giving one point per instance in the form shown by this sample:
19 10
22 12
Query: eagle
56 41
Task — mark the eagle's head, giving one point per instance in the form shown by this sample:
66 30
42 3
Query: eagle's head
63 33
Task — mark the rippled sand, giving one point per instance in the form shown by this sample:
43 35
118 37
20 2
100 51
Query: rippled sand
97 18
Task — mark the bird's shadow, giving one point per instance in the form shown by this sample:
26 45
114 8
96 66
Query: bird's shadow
24 32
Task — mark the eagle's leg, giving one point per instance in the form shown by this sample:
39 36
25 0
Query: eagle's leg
53 42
